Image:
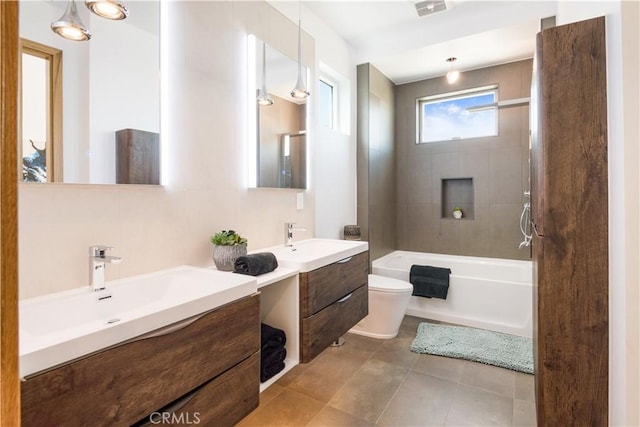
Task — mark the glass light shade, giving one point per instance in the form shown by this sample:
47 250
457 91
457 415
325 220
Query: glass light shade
108 9
300 91
70 25
264 99
452 76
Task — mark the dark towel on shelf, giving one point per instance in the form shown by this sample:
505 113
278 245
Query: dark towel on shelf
429 281
271 362
255 264
271 337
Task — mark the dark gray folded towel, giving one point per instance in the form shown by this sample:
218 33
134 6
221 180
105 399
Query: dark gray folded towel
429 281
255 264
271 362
271 337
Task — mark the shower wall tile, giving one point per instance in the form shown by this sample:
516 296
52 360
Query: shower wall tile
475 163
446 165
475 236
377 166
506 176
511 122
505 227
446 234
402 221
498 165
419 176
419 229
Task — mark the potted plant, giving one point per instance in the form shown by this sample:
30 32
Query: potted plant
457 212
227 247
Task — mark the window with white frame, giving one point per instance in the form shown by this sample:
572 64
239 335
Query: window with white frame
458 115
327 101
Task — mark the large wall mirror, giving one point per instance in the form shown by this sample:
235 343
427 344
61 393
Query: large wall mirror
278 142
90 109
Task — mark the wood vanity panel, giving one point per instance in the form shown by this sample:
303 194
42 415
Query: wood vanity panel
322 287
223 401
326 326
571 286
123 384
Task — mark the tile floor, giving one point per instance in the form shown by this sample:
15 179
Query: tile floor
369 382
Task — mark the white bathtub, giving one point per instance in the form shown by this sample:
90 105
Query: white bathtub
487 293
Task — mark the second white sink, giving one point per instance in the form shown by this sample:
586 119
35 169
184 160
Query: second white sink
307 255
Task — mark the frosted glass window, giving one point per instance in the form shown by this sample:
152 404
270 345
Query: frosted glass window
458 115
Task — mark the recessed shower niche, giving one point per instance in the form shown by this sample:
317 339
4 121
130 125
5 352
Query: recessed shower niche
457 192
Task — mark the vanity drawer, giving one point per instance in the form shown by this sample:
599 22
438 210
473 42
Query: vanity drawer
125 383
223 401
323 286
326 326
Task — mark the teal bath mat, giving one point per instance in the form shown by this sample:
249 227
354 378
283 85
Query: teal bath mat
478 345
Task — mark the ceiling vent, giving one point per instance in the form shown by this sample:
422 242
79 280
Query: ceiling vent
429 7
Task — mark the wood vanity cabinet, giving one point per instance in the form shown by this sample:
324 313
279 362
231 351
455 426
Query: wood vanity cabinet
333 299
207 370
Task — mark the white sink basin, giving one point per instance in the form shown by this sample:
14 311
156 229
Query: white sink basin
307 255
60 327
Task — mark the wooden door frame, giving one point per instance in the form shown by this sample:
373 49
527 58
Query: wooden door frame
9 59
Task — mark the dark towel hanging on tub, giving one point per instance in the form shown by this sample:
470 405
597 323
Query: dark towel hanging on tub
430 282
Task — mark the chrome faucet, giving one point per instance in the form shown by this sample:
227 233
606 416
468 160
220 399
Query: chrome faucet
288 232
97 264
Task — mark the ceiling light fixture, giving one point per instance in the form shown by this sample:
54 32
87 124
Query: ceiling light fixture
70 25
452 75
263 95
300 91
109 9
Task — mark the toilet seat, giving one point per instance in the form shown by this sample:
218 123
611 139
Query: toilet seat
388 284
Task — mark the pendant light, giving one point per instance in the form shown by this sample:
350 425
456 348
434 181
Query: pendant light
263 95
70 25
452 75
300 91
109 9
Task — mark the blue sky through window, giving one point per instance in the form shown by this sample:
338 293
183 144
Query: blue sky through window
447 119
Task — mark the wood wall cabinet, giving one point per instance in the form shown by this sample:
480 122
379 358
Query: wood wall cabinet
137 157
569 212
333 299
214 359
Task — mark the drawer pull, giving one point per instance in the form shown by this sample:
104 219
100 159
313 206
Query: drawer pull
343 261
181 402
343 299
166 330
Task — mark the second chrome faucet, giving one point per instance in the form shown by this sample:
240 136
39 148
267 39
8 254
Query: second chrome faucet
289 228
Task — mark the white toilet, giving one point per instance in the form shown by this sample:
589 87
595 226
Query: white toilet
388 301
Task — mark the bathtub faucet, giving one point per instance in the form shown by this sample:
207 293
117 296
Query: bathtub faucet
97 263
288 233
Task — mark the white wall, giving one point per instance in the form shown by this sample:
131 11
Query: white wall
622 98
159 227
124 89
334 151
